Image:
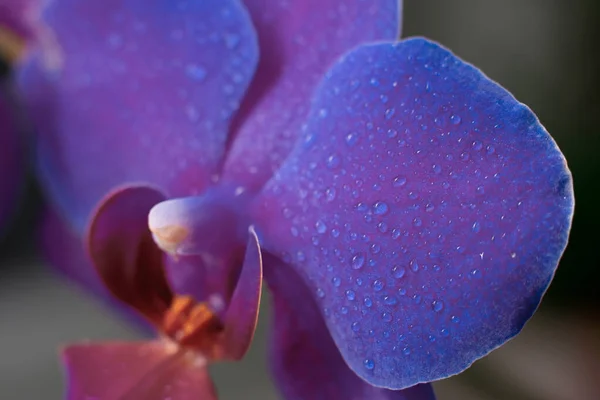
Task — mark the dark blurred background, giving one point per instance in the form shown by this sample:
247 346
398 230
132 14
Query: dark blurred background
546 52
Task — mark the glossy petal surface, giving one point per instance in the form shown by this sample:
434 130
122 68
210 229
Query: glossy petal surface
242 311
124 255
299 40
128 371
146 94
11 163
304 359
425 208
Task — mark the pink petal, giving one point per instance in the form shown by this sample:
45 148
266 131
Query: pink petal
134 371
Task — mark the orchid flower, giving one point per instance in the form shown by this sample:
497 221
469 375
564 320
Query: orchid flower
408 213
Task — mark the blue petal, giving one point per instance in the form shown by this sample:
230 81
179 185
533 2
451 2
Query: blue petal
425 208
304 360
299 40
145 95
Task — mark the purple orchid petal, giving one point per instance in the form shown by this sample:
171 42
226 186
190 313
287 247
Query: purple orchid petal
146 94
16 25
425 208
11 163
299 40
145 370
242 312
124 255
304 359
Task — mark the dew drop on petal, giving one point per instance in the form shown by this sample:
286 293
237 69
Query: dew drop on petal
398 271
437 305
380 208
358 260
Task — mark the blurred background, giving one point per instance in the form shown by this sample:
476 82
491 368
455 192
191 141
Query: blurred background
546 52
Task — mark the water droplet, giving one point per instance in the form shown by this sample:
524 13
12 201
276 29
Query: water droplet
480 190
335 232
455 319
429 207
389 113
386 316
351 138
330 194
477 145
195 72
300 256
358 261
476 273
513 255
369 364
350 295
406 350
437 305
476 227
396 233
320 293
490 149
414 265
398 271
444 332
402 291
375 248
380 208
382 227
431 338
417 298
417 222
390 300
355 326
294 231
392 133
333 161
344 310
231 40
464 156
455 119
336 281
437 168
368 302
377 285
320 226
399 181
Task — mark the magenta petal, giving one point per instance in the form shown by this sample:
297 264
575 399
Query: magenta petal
304 359
425 208
146 94
124 255
134 371
242 313
299 40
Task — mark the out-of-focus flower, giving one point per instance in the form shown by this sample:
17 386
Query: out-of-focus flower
15 36
409 212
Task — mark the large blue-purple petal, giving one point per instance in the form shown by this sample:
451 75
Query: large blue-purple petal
146 94
299 40
304 360
425 208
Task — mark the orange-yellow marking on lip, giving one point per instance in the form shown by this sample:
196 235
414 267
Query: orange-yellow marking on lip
170 237
12 46
190 323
